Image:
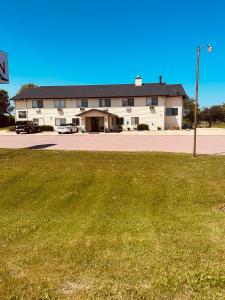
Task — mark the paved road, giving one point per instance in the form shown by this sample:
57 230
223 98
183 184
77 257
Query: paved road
116 142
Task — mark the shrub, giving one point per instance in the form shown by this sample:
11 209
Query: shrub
12 128
46 128
143 127
6 121
175 127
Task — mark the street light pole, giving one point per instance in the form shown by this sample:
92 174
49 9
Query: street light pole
196 100
196 94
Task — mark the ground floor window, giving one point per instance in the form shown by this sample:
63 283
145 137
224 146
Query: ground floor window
60 121
134 120
36 121
171 111
117 121
22 114
76 121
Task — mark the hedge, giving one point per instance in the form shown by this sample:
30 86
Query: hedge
46 128
143 127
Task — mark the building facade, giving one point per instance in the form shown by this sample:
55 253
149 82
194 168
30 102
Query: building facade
104 107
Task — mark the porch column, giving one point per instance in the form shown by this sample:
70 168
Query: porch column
106 124
82 123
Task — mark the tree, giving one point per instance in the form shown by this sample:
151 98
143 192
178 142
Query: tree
5 105
189 112
27 86
212 114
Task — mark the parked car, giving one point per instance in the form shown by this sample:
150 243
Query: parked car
26 126
67 128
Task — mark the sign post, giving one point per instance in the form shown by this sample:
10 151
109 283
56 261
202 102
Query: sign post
4 74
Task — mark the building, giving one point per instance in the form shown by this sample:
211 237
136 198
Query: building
104 107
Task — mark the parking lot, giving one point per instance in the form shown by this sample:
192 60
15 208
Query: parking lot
208 142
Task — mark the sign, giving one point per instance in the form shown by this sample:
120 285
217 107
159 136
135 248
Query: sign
4 75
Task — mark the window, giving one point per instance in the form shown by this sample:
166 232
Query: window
60 121
171 111
36 121
128 102
105 102
82 103
119 121
134 120
76 121
37 103
22 114
152 101
59 104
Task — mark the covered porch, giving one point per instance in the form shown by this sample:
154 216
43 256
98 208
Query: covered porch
95 120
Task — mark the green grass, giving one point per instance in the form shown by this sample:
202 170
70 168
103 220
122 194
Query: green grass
219 125
85 225
9 128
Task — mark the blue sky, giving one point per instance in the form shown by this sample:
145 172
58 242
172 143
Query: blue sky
99 42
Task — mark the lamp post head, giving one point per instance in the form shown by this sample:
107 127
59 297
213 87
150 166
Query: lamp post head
210 48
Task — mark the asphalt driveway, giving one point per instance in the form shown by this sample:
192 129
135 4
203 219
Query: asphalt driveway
206 144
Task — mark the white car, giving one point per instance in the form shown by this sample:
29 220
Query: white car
67 128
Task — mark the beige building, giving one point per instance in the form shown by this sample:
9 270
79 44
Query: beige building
104 107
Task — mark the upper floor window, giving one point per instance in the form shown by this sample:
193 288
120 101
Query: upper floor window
82 103
128 102
105 102
153 101
171 111
59 103
22 114
37 103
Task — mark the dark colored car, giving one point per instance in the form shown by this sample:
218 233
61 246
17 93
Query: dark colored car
187 126
26 126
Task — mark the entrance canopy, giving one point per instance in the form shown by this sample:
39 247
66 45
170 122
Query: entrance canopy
96 120
95 113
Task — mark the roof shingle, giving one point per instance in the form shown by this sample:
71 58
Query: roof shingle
102 91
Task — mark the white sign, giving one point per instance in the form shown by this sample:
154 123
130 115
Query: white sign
4 75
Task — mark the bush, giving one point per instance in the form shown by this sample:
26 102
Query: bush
6 121
46 128
175 127
143 127
12 128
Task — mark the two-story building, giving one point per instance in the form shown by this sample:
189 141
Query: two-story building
104 107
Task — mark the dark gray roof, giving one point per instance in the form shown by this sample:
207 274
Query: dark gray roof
102 91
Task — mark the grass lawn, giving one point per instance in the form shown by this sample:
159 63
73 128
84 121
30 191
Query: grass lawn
219 125
7 128
85 225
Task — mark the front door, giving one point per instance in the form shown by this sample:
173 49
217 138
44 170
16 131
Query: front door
94 124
